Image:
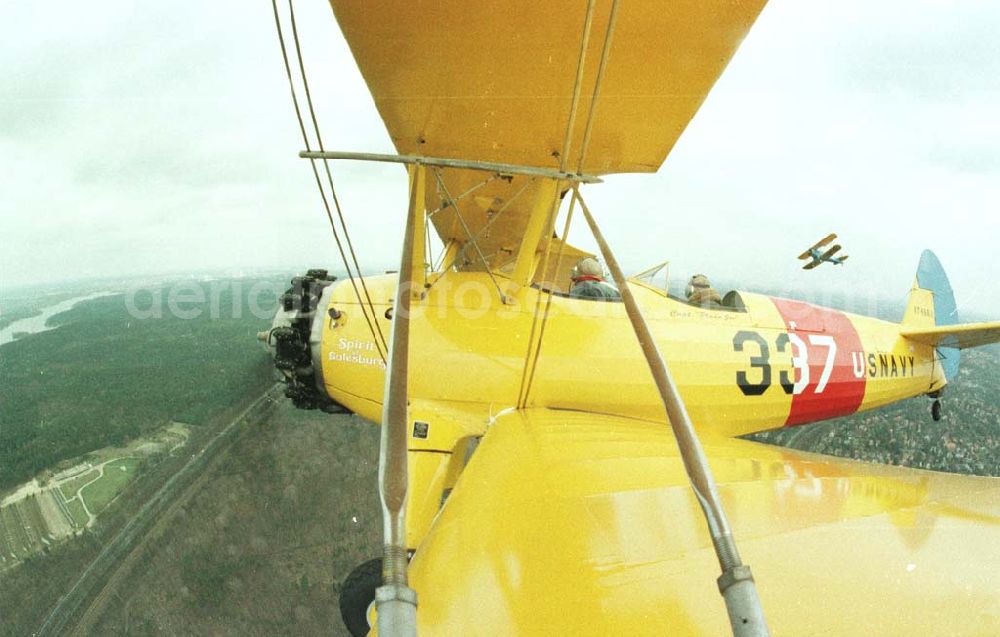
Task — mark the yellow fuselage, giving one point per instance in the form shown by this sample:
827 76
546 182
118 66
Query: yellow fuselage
777 363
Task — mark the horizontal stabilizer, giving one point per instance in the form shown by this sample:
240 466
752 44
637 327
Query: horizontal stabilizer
961 336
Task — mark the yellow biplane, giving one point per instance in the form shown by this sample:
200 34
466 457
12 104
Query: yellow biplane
559 465
816 256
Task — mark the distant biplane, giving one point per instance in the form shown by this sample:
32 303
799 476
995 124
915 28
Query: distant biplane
819 257
561 466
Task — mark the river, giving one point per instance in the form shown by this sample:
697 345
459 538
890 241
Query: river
37 324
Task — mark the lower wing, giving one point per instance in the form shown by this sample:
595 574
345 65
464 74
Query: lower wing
575 523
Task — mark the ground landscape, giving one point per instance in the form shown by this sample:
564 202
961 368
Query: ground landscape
100 415
65 504
264 548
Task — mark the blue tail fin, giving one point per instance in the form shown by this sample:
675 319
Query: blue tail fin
939 309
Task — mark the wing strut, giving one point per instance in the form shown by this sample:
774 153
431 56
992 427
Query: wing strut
736 582
395 601
444 162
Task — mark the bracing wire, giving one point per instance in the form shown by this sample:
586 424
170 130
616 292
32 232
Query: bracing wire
468 233
461 251
522 396
319 182
548 302
465 194
329 175
428 253
583 152
568 138
439 259
602 67
530 363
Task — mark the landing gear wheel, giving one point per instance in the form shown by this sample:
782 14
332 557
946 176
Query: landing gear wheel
936 410
358 595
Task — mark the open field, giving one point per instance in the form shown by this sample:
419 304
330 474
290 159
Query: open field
100 493
77 513
24 530
70 488
17 542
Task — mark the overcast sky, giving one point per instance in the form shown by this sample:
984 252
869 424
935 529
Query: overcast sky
161 137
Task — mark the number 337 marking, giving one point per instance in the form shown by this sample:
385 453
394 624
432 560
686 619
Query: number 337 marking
800 361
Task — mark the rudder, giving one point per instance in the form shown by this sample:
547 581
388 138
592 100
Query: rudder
932 303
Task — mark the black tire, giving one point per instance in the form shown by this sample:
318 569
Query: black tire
936 410
357 595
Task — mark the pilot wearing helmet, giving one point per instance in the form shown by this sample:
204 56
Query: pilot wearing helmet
699 292
589 283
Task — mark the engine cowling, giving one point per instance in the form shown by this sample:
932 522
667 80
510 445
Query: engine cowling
295 338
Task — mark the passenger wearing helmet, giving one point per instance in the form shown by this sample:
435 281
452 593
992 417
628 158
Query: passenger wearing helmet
589 283
699 292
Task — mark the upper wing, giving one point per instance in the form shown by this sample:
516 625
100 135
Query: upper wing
493 81
825 240
961 336
572 523
819 244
